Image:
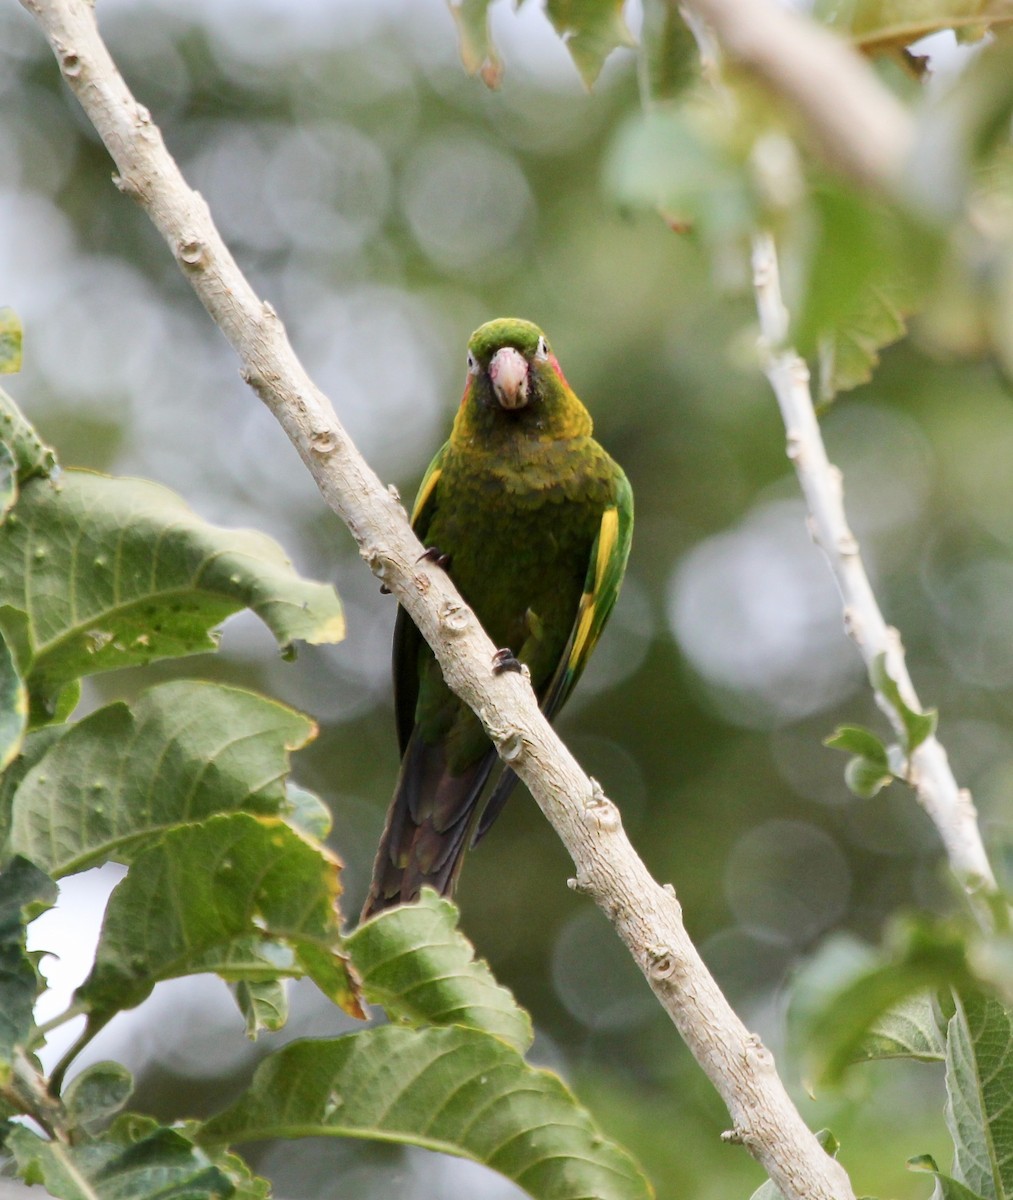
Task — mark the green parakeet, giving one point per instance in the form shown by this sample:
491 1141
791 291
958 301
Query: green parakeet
532 519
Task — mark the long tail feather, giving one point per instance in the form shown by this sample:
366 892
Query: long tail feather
429 826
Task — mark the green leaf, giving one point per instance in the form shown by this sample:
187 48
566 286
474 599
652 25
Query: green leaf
25 892
923 957
979 1090
305 810
162 1166
770 1190
264 1005
10 341
453 1089
201 888
669 159
946 1187
33 456
591 29
116 572
876 26
908 1030
477 51
116 780
668 60
99 1092
8 479
869 771
416 963
848 355
13 707
917 725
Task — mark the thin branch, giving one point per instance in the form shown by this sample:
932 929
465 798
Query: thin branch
858 126
949 806
646 915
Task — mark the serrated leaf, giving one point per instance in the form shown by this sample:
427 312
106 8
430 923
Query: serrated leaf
908 1030
478 54
32 455
770 1190
917 725
25 892
117 779
848 356
946 1187
99 1092
876 26
11 335
117 572
979 1093
668 60
591 30
415 962
455 1090
201 888
162 1166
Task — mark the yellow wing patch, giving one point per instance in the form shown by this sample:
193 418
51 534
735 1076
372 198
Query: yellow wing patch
583 630
608 536
425 491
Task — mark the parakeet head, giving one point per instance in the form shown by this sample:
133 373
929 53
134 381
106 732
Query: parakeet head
512 370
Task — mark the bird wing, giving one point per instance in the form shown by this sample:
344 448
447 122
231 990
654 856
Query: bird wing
601 587
407 639
605 573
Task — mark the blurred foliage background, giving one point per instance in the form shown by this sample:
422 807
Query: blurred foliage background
387 204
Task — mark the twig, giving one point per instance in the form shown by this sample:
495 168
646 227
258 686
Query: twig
858 125
646 915
948 805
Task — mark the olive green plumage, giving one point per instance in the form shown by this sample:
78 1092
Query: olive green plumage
535 519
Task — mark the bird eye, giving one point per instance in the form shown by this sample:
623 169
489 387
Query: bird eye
472 364
542 349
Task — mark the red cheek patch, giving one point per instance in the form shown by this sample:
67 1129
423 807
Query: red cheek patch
554 363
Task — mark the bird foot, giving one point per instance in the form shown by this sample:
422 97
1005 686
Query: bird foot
505 660
435 555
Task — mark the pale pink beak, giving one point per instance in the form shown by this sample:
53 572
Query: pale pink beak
508 373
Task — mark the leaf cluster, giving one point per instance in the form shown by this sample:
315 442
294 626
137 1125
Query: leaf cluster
227 874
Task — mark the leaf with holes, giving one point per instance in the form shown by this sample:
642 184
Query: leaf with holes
25 892
203 887
116 780
456 1090
117 572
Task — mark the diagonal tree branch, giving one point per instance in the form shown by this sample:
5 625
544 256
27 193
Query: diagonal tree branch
646 915
949 806
858 125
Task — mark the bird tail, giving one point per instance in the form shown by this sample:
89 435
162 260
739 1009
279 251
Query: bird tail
429 826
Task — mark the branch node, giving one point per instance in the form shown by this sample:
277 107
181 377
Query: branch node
70 64
453 617
129 186
323 441
853 624
192 253
142 116
580 883
599 812
758 1054
509 742
661 962
794 447
734 1137
394 492
847 544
